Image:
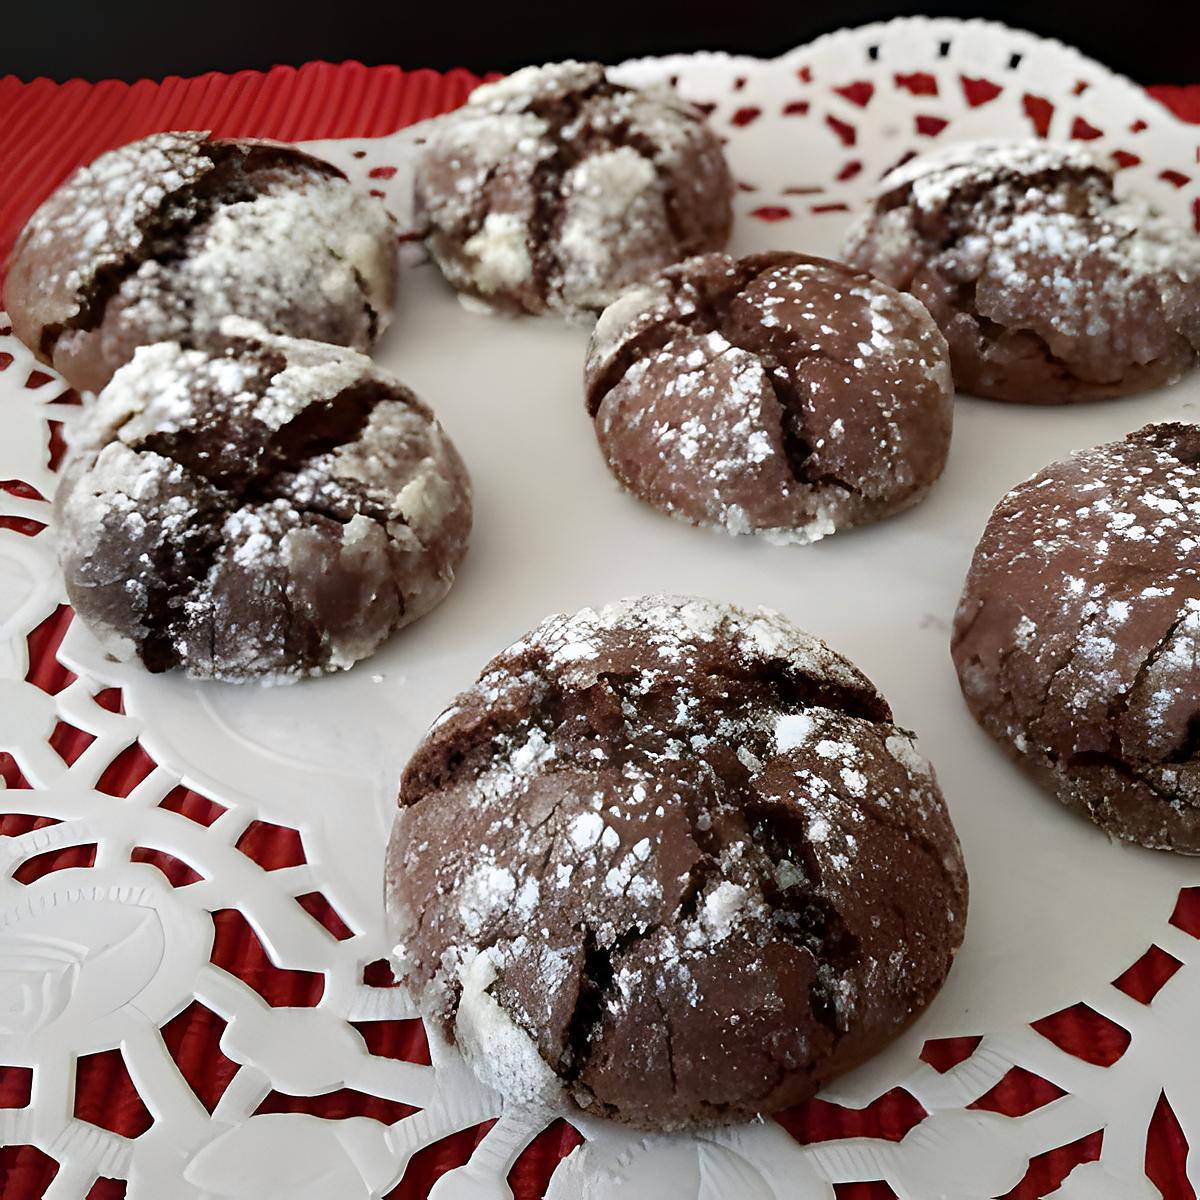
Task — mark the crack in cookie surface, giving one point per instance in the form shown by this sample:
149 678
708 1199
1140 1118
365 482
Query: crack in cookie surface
1049 289
657 824
555 187
160 239
1079 631
263 508
777 394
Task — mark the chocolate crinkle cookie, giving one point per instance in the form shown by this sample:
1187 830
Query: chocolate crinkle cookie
672 862
1078 633
1048 289
554 188
267 508
159 240
777 394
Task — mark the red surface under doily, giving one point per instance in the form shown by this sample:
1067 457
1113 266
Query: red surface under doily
48 129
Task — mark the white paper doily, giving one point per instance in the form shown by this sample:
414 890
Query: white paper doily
96 958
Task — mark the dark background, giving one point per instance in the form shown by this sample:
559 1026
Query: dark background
1152 41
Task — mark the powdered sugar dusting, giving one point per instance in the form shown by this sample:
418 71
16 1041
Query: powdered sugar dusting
160 239
660 794
225 493
508 1060
936 176
792 729
776 395
1075 640
104 208
553 188
1048 287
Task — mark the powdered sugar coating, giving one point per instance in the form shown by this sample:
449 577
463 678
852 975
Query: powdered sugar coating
162 238
1047 287
268 508
778 395
1076 637
936 176
554 188
688 917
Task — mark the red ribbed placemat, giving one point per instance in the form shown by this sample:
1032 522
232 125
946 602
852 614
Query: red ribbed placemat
46 131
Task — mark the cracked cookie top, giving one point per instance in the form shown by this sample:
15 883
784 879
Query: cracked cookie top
672 861
1078 633
160 239
1048 289
777 394
267 508
554 188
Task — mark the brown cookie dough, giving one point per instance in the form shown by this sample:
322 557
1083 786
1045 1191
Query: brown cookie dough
1077 636
777 394
160 239
554 188
268 508
1047 288
674 862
